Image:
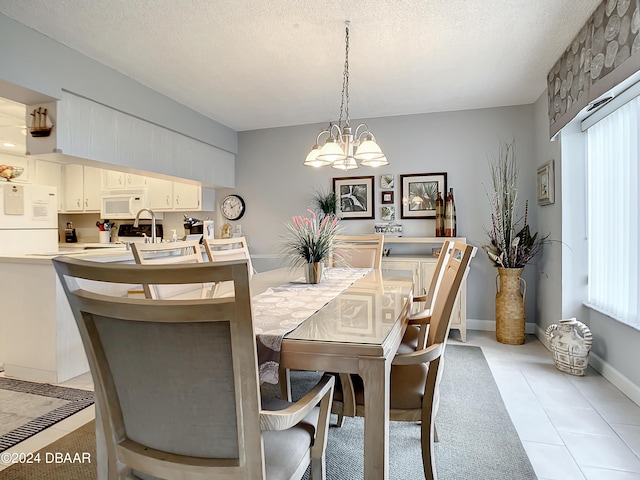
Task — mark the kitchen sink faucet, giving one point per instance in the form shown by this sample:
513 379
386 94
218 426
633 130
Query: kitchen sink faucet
153 223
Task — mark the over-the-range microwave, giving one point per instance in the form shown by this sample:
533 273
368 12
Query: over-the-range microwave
124 205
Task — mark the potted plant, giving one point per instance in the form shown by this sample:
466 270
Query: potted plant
325 202
310 242
511 246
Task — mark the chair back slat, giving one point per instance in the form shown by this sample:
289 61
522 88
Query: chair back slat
358 251
169 253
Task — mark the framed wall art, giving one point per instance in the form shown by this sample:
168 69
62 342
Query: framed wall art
387 197
419 193
388 213
387 180
546 184
355 197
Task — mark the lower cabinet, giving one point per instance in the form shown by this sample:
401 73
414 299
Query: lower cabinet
423 268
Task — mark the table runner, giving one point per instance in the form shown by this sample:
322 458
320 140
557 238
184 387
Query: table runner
279 310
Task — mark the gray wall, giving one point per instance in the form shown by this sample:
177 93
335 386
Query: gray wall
549 264
275 184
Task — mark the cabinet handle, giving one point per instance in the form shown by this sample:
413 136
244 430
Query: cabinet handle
78 203
177 199
167 200
86 202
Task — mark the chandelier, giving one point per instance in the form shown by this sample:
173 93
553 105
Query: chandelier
344 147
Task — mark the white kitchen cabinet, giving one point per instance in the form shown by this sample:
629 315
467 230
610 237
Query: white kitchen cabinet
114 180
423 268
50 173
160 194
186 196
165 195
82 188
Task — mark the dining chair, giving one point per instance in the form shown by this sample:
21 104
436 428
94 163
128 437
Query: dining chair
416 374
222 249
416 334
358 251
170 253
176 382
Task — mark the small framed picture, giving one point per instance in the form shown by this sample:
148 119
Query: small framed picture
419 194
546 184
355 197
388 214
387 197
387 181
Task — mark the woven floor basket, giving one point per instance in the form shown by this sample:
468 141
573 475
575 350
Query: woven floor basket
510 316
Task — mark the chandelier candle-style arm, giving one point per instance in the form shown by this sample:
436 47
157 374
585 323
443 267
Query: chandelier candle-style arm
343 148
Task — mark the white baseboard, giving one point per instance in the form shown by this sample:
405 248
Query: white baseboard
490 325
616 378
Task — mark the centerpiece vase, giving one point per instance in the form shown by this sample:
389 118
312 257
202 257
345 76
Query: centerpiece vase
510 300
313 272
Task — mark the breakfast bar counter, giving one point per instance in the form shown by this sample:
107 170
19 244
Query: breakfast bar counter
39 340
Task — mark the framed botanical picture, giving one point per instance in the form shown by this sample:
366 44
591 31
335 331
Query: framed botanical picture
387 197
546 184
387 181
419 193
388 214
355 197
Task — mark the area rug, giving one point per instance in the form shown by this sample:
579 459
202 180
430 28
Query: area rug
477 439
27 408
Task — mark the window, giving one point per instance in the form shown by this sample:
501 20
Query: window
613 212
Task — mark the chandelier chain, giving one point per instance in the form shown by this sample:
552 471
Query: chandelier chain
344 105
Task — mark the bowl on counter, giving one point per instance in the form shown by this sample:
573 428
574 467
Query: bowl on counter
8 172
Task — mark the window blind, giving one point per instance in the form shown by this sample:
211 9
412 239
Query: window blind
613 213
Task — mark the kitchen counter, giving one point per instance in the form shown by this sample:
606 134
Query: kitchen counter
39 340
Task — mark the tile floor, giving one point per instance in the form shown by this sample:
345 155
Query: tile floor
573 428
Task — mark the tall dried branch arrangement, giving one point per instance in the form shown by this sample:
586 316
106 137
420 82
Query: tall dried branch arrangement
510 245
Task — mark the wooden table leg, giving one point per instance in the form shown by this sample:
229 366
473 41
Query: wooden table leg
375 375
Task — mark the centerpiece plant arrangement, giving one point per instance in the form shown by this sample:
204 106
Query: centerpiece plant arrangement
310 242
511 245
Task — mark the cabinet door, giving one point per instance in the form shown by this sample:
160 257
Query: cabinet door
113 180
92 178
427 269
160 194
73 188
131 180
186 197
50 173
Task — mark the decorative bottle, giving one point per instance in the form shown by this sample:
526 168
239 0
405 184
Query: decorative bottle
439 216
450 215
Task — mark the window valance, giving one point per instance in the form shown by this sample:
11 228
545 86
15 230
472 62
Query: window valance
604 54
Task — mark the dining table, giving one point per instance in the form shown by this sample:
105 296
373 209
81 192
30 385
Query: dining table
354 328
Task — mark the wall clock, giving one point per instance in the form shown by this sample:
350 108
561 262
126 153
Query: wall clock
233 207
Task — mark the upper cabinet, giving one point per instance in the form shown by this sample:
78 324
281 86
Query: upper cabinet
82 187
165 195
113 180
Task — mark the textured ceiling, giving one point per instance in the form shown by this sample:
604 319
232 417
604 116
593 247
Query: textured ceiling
253 64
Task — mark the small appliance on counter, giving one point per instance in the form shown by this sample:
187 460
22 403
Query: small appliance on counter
127 233
70 234
193 226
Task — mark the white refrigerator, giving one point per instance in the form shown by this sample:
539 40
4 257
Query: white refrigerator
28 219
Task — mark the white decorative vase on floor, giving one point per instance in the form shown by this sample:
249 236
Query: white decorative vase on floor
570 342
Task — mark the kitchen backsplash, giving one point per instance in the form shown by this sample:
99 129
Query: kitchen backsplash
87 232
